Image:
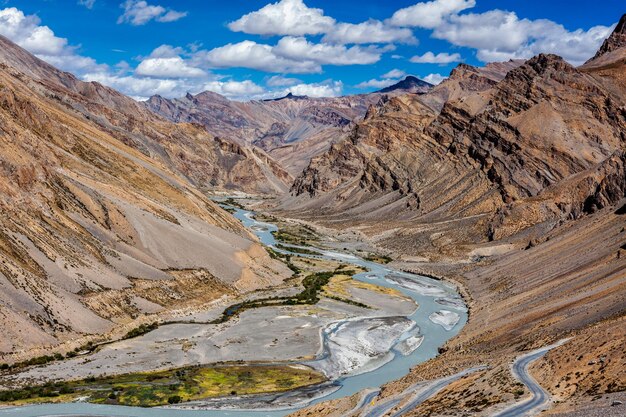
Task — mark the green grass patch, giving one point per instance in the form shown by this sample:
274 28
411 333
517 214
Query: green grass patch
170 387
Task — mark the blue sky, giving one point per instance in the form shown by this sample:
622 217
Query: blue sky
252 49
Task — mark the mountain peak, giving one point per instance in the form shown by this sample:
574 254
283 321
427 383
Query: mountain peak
410 84
289 96
616 41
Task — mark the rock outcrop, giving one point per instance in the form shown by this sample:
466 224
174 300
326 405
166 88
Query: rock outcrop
514 145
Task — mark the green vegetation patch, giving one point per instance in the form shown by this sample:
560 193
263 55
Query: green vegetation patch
141 330
301 251
313 284
232 202
381 259
296 234
171 387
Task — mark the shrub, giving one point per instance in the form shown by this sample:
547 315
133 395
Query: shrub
174 399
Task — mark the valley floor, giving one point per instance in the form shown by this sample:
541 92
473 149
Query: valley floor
571 283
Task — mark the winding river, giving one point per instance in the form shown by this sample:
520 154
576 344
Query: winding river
438 302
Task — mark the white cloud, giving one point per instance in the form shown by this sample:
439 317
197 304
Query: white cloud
441 58
234 89
171 16
394 73
385 80
300 49
287 17
249 54
27 32
290 55
173 67
429 15
166 51
139 88
500 35
326 88
139 12
87 3
434 78
372 31
280 81
377 83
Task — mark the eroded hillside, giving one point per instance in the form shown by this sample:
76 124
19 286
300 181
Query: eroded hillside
101 222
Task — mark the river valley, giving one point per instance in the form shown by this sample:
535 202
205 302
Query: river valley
395 321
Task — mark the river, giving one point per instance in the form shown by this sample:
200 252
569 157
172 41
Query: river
431 295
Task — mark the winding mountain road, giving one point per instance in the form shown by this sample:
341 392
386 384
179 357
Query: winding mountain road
433 389
423 391
539 397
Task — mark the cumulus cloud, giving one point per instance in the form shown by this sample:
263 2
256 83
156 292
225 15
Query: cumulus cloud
287 17
434 78
441 58
290 55
173 67
139 88
429 15
280 81
234 89
87 3
372 31
501 35
328 88
376 83
385 80
249 54
27 32
301 49
394 73
139 12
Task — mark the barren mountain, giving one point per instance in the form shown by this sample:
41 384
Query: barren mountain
544 144
410 84
516 189
102 218
291 129
190 151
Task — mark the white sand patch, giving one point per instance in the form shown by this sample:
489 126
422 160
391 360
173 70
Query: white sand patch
445 318
420 287
410 345
359 346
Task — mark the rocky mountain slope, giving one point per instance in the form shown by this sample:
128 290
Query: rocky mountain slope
291 129
206 161
515 189
543 145
103 219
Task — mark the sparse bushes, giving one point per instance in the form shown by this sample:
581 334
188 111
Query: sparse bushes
141 330
174 399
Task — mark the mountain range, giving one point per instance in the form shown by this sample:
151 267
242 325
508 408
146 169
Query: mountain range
509 179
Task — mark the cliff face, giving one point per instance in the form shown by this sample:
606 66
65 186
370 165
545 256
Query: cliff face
514 146
102 216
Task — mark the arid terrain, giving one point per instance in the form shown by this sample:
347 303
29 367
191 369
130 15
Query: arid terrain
505 182
524 208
